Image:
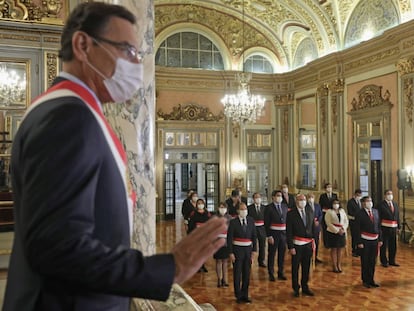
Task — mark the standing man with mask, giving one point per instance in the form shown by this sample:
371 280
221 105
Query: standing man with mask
390 225
73 201
241 241
256 211
353 206
287 198
317 219
369 239
299 235
275 225
325 201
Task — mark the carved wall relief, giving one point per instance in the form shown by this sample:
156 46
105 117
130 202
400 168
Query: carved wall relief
190 112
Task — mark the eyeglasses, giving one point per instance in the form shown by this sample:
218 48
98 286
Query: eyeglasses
129 50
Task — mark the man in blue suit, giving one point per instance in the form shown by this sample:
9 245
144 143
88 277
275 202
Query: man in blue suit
317 218
73 201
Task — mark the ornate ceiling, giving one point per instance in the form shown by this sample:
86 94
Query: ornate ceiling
282 25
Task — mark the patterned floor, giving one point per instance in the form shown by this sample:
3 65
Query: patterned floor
333 291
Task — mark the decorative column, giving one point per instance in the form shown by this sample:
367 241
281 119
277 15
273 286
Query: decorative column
324 163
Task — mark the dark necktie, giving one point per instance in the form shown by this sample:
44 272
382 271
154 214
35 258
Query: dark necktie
302 213
391 207
258 209
279 209
371 216
244 224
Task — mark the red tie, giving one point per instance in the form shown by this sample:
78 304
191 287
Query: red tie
391 207
371 216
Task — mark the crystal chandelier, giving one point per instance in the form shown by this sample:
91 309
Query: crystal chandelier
243 107
12 87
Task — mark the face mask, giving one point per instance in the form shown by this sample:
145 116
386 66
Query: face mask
335 206
358 198
389 197
368 205
302 203
258 201
222 211
200 206
285 190
194 199
243 213
329 190
126 80
311 200
278 199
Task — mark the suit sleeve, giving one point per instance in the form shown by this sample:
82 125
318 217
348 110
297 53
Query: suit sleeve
289 230
267 220
230 234
58 169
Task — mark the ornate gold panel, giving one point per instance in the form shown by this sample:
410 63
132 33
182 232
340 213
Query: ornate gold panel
190 112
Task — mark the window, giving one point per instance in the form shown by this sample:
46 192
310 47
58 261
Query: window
258 64
308 159
189 50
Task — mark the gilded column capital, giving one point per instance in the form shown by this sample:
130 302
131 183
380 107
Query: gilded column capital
284 99
405 65
337 86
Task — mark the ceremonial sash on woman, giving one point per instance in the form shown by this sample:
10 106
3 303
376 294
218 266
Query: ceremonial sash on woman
69 88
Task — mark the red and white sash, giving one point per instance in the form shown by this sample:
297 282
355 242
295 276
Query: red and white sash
72 89
369 236
242 242
222 235
259 223
279 227
389 223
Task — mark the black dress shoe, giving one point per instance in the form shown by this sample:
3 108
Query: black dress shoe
307 292
239 300
262 265
272 278
394 264
247 300
366 285
373 284
385 265
224 284
296 293
281 277
355 255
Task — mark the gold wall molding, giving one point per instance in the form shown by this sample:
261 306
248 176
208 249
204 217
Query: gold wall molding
286 125
405 66
370 96
285 99
376 58
51 61
190 112
322 94
408 99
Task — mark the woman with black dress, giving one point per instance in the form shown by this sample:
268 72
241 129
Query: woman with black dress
336 225
222 255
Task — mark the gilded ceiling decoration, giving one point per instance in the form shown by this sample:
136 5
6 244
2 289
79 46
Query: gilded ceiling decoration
282 25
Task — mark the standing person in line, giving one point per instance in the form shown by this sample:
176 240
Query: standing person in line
233 203
325 201
336 226
197 219
275 226
369 239
317 214
353 206
222 255
390 226
72 204
241 240
256 211
288 198
187 207
299 235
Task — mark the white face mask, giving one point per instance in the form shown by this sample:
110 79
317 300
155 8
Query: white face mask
222 211
243 213
335 206
302 203
390 197
200 206
278 199
285 190
258 201
311 200
126 80
329 190
194 199
368 205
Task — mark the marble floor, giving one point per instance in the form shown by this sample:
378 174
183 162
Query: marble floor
333 291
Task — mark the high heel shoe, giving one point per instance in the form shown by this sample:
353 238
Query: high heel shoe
224 284
219 283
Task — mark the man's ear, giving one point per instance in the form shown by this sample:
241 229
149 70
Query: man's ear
81 45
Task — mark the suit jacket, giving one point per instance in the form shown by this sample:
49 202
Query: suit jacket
296 227
292 202
325 202
331 219
364 224
317 215
71 249
385 212
352 208
258 216
236 231
271 216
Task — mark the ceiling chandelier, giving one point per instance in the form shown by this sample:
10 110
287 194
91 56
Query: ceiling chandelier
243 107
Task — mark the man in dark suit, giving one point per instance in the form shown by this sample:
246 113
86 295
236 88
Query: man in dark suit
256 211
353 206
288 198
325 201
317 219
390 225
369 239
233 203
73 202
241 241
275 226
300 228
